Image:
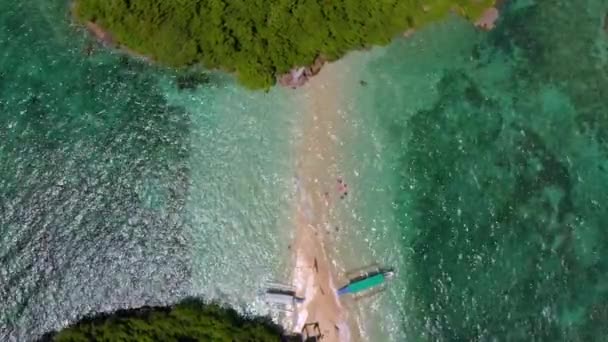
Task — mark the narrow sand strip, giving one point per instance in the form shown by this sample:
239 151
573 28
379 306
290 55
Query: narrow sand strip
314 275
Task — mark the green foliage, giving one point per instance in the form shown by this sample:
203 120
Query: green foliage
190 320
259 39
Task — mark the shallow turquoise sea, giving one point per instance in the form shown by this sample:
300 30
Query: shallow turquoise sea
477 162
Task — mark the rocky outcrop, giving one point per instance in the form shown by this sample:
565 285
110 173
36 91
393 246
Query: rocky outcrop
298 76
488 19
410 32
104 37
107 40
294 78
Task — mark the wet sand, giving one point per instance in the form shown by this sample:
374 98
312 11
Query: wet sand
317 168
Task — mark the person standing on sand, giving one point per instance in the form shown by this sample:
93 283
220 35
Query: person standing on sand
342 188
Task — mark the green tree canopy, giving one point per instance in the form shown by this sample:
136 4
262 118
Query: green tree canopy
191 320
258 39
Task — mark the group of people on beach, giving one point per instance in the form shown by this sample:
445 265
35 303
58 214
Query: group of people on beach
342 189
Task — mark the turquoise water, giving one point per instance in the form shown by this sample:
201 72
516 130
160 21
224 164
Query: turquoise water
477 164
240 190
499 144
117 189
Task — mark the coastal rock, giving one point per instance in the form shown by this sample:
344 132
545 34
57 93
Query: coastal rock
298 76
101 35
106 38
488 19
317 66
293 79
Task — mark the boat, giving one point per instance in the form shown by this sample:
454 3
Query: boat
366 282
282 298
282 294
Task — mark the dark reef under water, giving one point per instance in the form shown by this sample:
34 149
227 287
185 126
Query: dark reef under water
508 183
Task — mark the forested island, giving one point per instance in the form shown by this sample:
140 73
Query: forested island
190 320
259 40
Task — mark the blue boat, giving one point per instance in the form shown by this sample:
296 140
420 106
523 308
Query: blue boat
366 282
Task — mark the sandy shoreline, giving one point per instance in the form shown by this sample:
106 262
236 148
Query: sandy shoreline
314 273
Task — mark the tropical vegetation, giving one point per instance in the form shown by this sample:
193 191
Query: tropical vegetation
191 320
258 39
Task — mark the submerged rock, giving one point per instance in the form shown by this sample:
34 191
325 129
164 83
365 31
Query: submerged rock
192 80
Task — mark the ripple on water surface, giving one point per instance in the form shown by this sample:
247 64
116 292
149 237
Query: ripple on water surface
117 192
240 190
500 148
93 167
478 165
